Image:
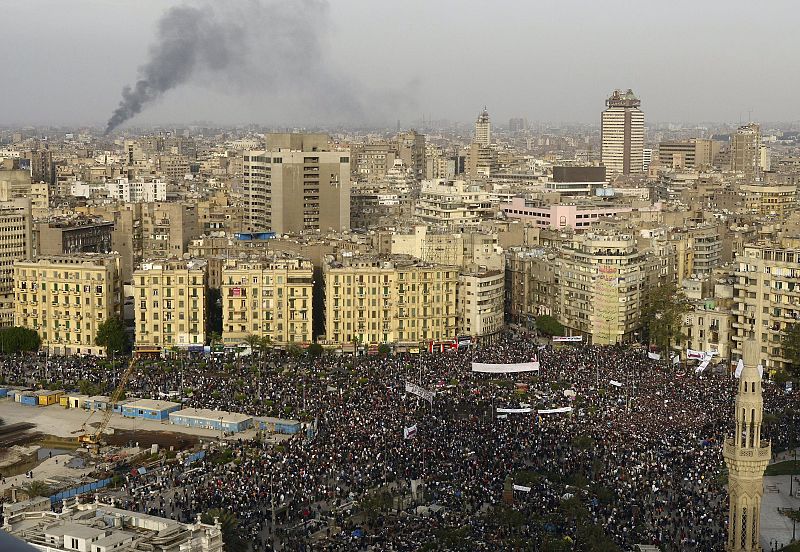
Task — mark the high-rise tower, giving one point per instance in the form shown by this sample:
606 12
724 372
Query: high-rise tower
746 456
483 129
746 150
622 134
299 183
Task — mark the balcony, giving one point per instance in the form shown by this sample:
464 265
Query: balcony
763 453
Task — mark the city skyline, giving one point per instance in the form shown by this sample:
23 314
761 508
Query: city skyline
549 64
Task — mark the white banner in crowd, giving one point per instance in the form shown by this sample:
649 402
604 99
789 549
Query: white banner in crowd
676 359
514 410
561 410
505 368
522 488
567 338
691 354
421 392
410 432
654 356
615 383
703 365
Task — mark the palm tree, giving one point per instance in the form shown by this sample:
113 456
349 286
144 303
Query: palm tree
230 529
37 488
254 342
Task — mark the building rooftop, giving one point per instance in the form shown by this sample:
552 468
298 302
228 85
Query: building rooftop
208 414
151 404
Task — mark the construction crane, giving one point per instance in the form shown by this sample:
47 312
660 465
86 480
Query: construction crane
92 440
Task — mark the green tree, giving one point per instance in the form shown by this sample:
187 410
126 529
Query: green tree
111 334
384 349
790 342
547 325
294 350
663 315
231 537
315 350
88 388
254 342
37 488
15 339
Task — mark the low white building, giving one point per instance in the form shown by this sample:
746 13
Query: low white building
137 191
101 528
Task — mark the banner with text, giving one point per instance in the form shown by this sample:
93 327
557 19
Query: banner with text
505 368
419 391
562 410
567 338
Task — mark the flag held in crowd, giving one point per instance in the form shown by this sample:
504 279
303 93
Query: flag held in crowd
653 356
615 383
522 488
410 432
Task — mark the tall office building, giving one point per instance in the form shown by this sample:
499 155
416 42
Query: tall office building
622 129
299 183
483 129
746 150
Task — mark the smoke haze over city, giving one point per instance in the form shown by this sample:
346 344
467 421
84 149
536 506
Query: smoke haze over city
363 62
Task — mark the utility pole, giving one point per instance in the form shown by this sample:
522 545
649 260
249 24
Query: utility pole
272 507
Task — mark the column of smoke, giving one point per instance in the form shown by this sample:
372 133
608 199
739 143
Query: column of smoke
244 46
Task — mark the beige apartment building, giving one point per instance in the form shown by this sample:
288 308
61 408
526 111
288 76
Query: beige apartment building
769 200
389 300
481 294
601 281
16 240
170 304
66 298
453 203
530 288
461 249
767 295
708 326
269 297
297 184
167 229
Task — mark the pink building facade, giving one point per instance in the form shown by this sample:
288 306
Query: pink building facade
562 215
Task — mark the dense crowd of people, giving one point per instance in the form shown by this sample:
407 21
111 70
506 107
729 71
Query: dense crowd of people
638 459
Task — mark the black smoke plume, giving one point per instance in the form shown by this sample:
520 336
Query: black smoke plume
242 45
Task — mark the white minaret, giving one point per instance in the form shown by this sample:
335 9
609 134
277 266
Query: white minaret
746 456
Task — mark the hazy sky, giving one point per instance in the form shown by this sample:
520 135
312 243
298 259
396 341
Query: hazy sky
66 61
